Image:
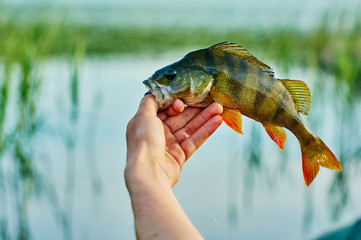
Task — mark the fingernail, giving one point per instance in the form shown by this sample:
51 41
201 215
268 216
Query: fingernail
149 92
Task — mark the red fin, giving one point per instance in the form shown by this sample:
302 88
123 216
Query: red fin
277 134
233 118
314 155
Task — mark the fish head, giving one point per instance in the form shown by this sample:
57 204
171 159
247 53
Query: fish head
189 83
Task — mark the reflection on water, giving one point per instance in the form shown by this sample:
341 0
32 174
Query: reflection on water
24 157
62 122
246 181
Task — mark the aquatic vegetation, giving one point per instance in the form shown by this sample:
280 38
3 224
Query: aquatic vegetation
336 51
24 49
26 45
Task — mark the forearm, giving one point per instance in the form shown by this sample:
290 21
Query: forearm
157 212
158 144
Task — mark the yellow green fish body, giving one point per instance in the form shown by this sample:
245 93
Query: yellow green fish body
228 74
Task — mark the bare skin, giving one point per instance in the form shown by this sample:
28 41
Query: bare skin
158 145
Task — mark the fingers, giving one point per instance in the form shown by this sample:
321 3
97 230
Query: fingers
176 108
191 144
188 129
179 121
148 106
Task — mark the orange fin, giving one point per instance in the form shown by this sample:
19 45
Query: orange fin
233 118
277 134
222 99
314 155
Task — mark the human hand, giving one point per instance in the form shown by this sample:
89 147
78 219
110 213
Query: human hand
158 144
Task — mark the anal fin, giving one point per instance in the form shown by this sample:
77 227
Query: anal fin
233 118
277 134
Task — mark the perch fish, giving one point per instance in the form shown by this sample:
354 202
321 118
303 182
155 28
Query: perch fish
228 74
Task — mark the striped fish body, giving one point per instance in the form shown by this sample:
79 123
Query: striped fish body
253 91
228 74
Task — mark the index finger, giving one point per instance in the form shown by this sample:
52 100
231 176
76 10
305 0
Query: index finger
191 144
176 108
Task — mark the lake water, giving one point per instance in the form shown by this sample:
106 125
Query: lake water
235 186
213 185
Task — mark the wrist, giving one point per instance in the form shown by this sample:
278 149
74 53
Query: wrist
142 174
156 209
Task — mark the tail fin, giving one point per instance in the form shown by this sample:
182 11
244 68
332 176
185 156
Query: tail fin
314 155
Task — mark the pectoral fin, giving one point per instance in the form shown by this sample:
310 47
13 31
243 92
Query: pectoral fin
222 99
277 134
233 118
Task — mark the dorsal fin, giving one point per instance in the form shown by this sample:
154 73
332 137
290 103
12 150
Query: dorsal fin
300 94
234 48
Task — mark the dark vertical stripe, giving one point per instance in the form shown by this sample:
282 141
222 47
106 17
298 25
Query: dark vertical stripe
282 105
209 58
241 76
262 90
243 70
230 64
234 74
296 121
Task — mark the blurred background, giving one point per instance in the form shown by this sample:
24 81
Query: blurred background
71 77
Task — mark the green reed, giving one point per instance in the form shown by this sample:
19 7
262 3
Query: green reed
336 51
26 46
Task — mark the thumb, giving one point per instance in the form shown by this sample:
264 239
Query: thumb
148 106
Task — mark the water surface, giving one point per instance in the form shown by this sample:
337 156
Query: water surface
216 189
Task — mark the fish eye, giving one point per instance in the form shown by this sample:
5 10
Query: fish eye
170 74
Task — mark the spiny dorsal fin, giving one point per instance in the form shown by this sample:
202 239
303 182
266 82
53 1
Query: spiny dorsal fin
234 48
300 94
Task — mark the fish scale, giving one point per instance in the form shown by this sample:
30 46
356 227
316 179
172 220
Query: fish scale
253 90
228 74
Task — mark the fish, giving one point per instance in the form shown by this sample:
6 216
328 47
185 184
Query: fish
230 75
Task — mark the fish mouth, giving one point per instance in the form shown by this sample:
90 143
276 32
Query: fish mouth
161 93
